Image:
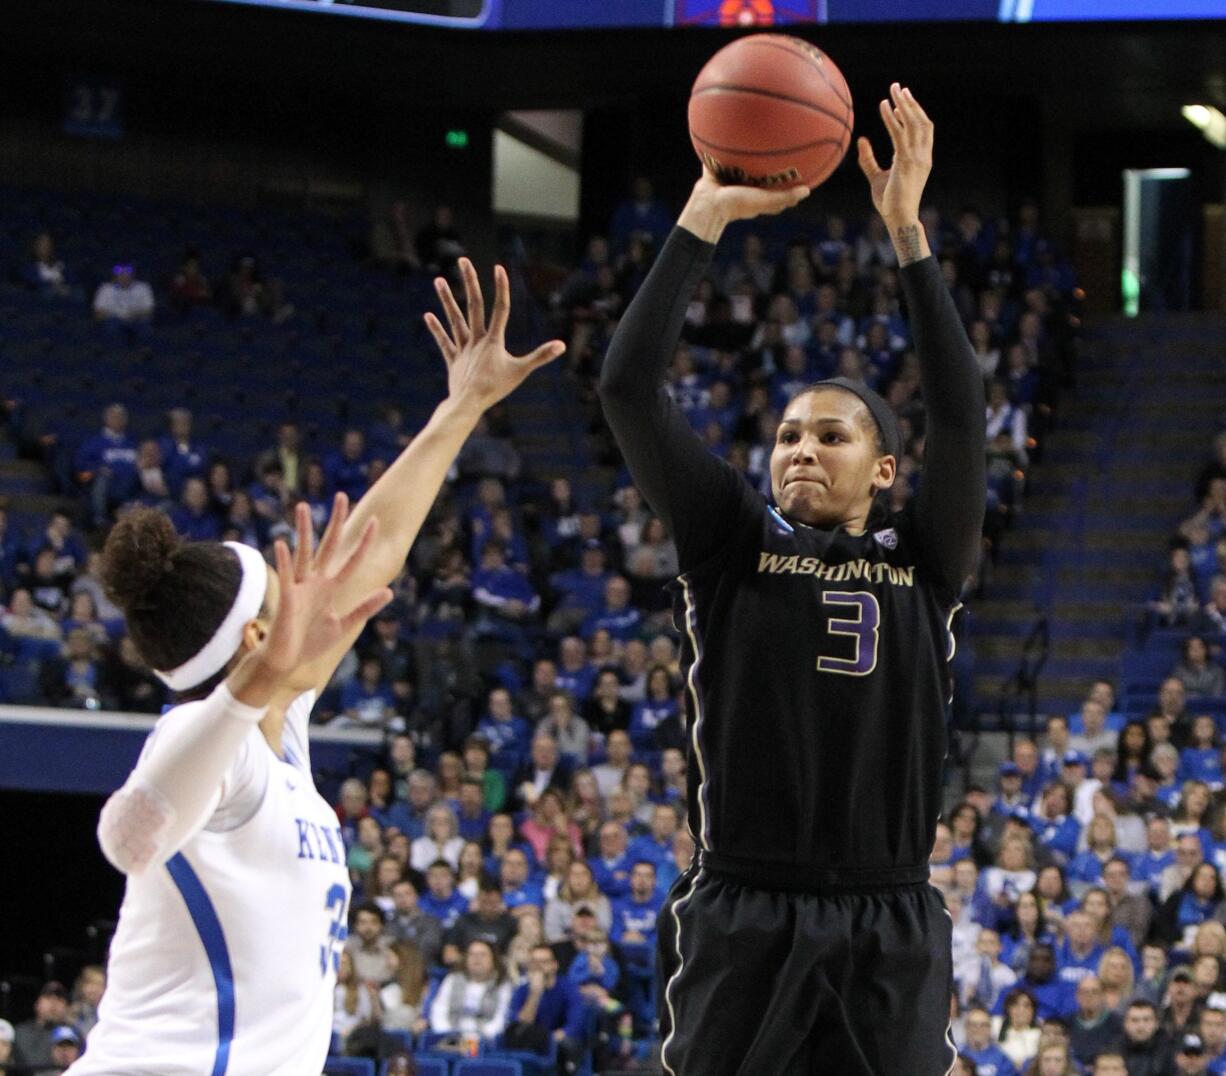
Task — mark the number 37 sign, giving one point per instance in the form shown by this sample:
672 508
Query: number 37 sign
93 107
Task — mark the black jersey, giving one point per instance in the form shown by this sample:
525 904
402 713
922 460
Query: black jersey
816 662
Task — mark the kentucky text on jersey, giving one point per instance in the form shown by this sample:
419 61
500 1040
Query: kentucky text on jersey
310 846
780 564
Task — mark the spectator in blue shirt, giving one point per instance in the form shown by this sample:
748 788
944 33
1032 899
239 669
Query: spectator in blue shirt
348 469
617 616
579 591
441 898
611 868
61 538
1053 996
105 464
1079 951
656 846
1200 760
634 934
1026 758
505 596
546 1008
183 456
517 885
594 972
472 815
1011 799
192 518
1051 758
989 1058
574 672
1198 899
500 726
1101 840
660 703
367 701
1054 826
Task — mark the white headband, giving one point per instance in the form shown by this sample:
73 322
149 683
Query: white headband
218 651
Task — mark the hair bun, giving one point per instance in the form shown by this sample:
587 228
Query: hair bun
138 556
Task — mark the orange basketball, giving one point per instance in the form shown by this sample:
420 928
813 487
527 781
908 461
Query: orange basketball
770 110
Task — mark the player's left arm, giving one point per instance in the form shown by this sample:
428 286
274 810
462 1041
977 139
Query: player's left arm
952 493
480 372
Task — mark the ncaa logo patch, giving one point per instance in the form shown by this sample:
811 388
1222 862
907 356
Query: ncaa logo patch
887 538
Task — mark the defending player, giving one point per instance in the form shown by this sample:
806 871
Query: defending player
805 937
235 907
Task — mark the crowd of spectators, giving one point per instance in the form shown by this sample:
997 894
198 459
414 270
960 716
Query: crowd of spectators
511 851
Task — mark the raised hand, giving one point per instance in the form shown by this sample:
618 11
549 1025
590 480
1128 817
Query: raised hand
309 622
480 371
897 190
712 205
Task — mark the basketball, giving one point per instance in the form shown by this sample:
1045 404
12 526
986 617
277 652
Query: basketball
770 110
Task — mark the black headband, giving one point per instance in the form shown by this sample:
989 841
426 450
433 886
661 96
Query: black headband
881 411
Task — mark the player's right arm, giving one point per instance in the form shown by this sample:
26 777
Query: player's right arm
691 490
179 780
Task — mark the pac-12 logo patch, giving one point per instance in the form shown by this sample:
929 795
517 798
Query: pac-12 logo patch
888 538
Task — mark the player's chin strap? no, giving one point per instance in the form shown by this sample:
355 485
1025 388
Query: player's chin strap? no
217 652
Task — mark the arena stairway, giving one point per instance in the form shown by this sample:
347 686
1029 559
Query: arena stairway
1116 477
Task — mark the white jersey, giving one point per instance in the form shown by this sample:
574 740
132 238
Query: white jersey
224 962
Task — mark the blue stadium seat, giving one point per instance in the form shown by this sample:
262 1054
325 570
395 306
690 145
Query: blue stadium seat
483 1066
349 1066
427 1065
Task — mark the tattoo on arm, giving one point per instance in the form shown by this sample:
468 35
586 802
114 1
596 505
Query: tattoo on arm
907 244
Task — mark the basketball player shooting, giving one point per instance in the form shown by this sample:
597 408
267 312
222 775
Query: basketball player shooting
234 911
805 936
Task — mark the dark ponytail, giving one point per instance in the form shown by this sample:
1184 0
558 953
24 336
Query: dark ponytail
174 594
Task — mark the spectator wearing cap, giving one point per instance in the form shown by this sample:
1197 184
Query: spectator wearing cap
123 307
1011 797
32 1038
979 1047
1191 1055
6 1044
65 1049
579 592
1182 1010
1147 1049
1095 1028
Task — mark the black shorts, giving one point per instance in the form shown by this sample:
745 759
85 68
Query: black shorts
763 983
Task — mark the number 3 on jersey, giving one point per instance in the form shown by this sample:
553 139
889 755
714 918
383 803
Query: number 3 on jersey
330 952
861 622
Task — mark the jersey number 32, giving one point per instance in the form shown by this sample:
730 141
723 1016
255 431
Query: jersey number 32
335 904
857 614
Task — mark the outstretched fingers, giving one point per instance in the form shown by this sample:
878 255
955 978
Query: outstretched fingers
332 533
459 326
502 303
868 159
476 301
543 355
305 540
441 338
